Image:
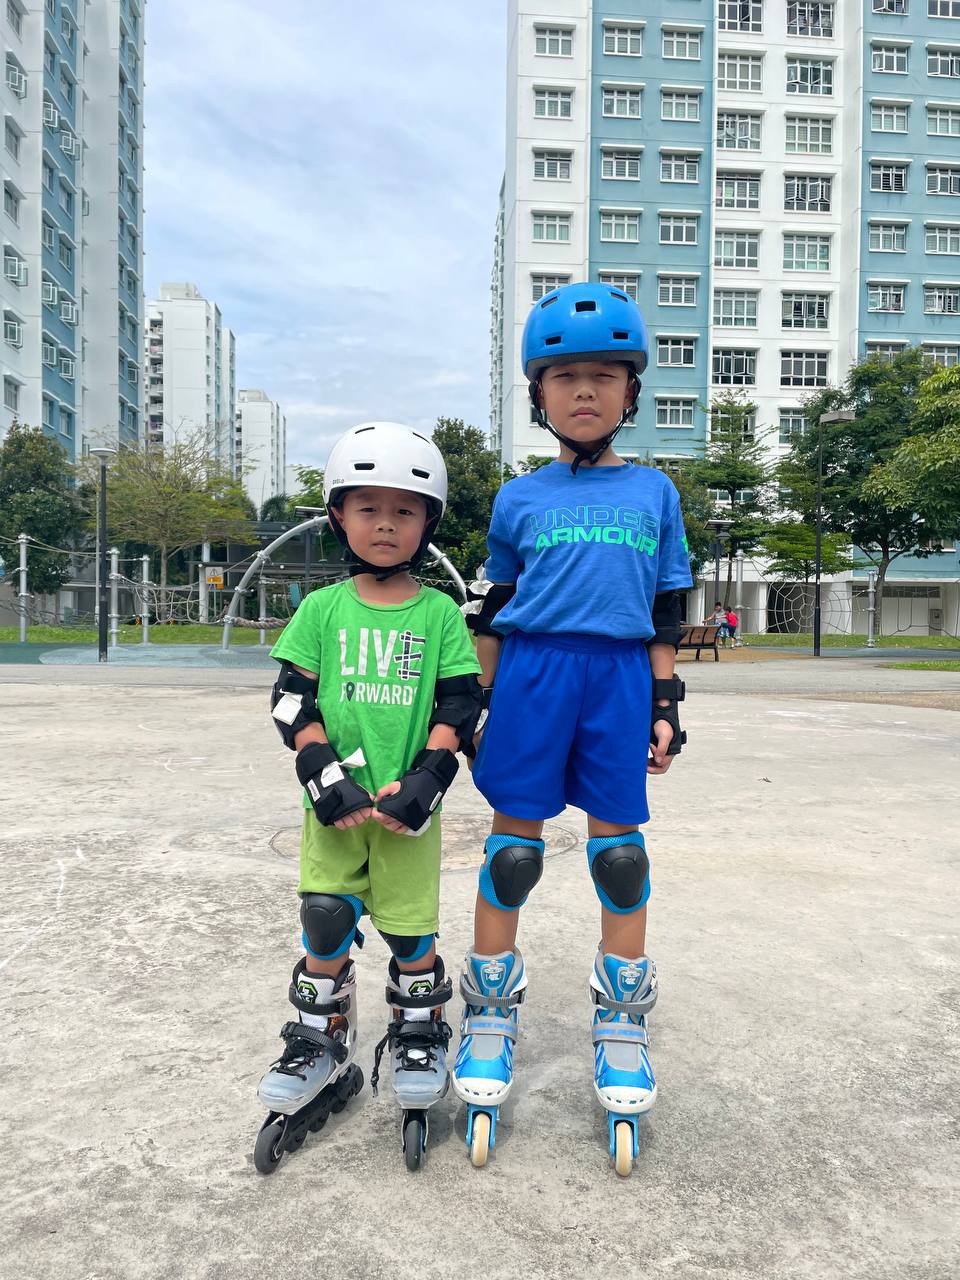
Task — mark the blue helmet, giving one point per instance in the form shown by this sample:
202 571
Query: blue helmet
584 322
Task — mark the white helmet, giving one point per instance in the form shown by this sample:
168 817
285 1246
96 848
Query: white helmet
391 456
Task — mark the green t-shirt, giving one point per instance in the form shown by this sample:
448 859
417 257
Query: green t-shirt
378 665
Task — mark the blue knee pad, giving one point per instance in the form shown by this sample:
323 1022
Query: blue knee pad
330 924
408 947
512 865
620 870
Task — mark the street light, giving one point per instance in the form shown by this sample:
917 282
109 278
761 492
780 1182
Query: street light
719 527
103 453
839 415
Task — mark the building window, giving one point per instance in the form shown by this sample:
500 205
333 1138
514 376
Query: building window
49 234
678 228
887 237
737 191
805 310
943 62
46 169
943 8
66 417
943 122
11 138
623 41
941 299
677 291
740 15
889 58
48 413
734 368
15 17
942 239
676 351
793 424
554 42
943 180
812 76
11 202
740 72
65 254
66 199
68 31
620 164
623 103
552 226
679 106
736 248
66 88
735 308
803 368
806 253
675 412
553 103
809 135
806 194
552 164
888 176
889 6
738 131
942 354
807 18
620 226
681 44
888 117
677 166
49 58
627 282
11 394
885 297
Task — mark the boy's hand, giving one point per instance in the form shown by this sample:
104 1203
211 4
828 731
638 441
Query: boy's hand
356 818
660 762
391 824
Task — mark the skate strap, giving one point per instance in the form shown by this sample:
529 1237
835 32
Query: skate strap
635 1008
313 1036
619 1031
477 1000
327 1008
439 995
478 1026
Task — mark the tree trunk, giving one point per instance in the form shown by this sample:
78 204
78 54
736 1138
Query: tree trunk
726 594
878 597
162 611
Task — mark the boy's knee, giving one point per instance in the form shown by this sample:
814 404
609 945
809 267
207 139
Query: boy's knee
408 947
620 870
512 865
330 923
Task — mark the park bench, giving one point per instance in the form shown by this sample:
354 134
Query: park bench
701 637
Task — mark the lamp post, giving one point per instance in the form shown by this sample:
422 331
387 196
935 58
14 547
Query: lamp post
103 453
840 415
304 513
719 527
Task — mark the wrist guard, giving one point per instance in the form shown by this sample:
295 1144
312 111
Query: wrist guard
673 689
422 788
333 793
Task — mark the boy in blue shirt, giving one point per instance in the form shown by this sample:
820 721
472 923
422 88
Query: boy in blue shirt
579 623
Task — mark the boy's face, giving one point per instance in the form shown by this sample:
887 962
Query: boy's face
383 526
586 399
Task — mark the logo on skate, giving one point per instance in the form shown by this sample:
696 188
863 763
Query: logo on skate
421 988
493 972
307 991
630 976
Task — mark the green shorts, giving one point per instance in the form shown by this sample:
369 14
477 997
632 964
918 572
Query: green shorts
397 878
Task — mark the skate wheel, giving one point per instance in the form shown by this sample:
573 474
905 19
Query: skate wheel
317 1125
414 1142
623 1156
268 1151
296 1140
480 1145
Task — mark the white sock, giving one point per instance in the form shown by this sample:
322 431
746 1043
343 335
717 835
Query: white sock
417 984
318 990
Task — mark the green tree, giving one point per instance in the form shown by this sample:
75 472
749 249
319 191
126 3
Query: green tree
791 546
474 475
278 508
310 492
37 497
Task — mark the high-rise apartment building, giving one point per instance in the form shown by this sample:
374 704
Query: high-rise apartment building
72 173
190 371
260 448
777 184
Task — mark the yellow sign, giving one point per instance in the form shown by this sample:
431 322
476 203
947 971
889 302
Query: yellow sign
215 577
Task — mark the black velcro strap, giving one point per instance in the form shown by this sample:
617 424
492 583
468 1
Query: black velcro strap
439 995
492 601
328 1008
313 759
673 689
314 1036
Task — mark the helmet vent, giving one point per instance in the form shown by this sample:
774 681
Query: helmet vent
364 466
622 296
587 304
360 430
620 335
553 341
419 473
548 301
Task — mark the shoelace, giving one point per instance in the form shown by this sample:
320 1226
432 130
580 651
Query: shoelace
421 1038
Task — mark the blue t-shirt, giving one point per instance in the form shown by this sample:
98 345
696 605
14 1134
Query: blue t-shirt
588 552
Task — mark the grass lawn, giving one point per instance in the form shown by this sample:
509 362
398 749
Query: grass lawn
805 640
940 664
189 634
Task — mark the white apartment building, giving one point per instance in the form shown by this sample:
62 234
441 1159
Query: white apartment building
260 448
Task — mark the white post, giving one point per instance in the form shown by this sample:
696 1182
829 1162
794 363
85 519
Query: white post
22 539
739 596
871 608
145 600
202 583
114 596
263 611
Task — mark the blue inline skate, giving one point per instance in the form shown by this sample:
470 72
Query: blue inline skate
493 988
624 991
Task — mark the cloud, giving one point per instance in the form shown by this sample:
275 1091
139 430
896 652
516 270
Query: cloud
331 184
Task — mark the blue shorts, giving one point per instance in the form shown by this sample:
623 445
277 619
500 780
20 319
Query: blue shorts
569 724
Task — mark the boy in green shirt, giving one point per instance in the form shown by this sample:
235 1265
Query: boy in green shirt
377 691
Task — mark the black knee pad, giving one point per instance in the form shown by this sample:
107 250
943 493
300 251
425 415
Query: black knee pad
512 866
408 947
329 923
621 871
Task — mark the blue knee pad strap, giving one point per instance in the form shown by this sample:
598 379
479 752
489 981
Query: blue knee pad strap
620 871
353 935
505 882
408 947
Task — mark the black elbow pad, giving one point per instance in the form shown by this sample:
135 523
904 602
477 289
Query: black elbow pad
666 613
293 703
483 606
459 703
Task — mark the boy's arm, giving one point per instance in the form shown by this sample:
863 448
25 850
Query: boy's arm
663 661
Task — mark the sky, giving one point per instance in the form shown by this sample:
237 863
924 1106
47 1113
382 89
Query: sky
328 174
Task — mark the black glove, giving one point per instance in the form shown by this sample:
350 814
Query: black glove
339 794
422 787
674 690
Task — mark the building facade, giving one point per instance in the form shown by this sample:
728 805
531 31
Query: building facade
777 184
72 173
260 446
190 370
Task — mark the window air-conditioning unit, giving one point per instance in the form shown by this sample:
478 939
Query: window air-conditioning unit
68 312
51 116
49 293
13 333
16 80
11 268
48 354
